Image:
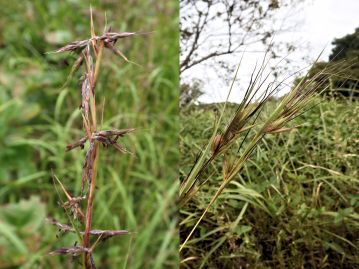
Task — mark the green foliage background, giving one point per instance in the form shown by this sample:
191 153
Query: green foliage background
294 205
38 118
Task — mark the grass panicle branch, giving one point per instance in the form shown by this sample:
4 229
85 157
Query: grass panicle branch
90 54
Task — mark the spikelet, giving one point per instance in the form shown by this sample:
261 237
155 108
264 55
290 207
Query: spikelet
216 143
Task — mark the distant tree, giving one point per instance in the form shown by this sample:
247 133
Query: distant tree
190 92
346 47
212 28
345 54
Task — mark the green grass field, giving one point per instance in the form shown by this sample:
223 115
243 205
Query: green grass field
295 203
38 118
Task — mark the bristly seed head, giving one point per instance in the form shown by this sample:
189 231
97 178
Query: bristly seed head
108 38
90 53
216 143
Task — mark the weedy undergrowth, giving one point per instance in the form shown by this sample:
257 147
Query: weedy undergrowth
247 128
90 54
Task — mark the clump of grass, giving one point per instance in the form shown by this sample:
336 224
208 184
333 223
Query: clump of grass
294 203
244 132
90 54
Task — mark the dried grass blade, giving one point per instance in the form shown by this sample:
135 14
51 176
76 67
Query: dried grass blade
79 143
74 251
88 165
119 53
85 93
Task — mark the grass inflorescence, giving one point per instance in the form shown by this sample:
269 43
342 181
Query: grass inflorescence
218 168
40 117
90 55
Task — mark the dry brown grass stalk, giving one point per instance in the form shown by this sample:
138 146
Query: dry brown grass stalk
90 53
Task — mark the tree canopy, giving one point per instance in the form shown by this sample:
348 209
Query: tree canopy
213 28
345 55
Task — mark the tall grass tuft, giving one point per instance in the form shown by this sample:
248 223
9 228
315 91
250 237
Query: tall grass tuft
241 136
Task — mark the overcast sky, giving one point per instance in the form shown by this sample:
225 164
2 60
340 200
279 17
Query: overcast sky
318 23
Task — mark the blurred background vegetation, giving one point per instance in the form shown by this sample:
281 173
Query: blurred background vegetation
38 118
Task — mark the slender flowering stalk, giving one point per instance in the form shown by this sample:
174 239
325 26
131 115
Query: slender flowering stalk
90 54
